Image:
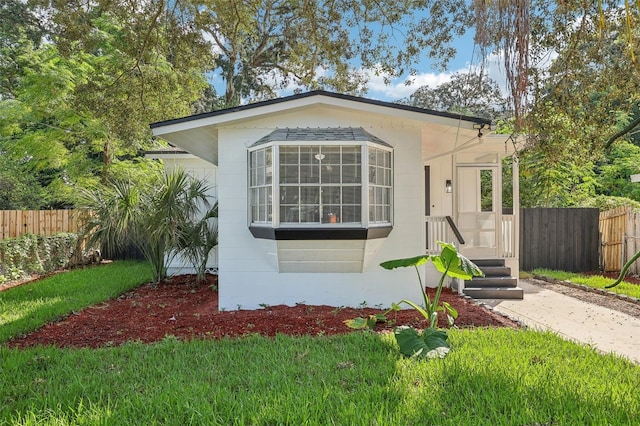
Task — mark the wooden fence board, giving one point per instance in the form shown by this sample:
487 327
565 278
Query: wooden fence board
563 239
620 230
14 223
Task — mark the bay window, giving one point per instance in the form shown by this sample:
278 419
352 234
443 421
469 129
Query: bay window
325 178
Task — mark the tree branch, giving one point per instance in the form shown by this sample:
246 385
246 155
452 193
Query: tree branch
629 127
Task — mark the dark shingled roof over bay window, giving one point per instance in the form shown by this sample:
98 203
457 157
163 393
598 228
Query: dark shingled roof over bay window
343 134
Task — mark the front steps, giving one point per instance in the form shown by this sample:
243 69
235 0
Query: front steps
496 284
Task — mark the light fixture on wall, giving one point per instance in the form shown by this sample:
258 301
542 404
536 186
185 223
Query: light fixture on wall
480 127
448 186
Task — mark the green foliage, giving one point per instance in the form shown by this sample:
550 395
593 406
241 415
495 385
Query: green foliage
29 254
257 40
76 108
604 202
163 218
430 342
29 306
621 161
355 379
470 94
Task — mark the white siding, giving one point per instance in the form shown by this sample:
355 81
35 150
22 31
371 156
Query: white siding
248 271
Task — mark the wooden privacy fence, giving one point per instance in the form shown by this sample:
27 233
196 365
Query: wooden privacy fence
14 223
620 234
565 239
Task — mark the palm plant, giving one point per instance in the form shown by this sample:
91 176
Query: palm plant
162 219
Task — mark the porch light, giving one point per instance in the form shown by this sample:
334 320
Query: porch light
448 186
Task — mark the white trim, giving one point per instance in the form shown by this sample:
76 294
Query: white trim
296 104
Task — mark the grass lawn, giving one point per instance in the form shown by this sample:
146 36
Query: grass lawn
594 281
30 306
491 376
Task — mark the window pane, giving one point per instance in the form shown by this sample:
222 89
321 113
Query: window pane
386 196
260 158
289 213
308 153
289 194
351 155
260 176
309 214
351 195
331 155
330 174
351 214
372 157
289 174
351 174
330 195
310 195
288 155
372 174
310 173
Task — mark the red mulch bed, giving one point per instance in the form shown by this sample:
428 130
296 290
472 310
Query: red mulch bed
182 308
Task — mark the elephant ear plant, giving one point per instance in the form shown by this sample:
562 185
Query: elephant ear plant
430 342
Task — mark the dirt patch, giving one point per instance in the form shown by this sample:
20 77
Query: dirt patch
184 309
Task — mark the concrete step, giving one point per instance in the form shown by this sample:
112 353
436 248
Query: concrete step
495 293
496 271
488 262
502 281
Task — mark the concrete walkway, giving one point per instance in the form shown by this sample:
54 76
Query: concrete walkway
605 329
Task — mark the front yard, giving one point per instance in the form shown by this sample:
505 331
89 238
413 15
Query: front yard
496 376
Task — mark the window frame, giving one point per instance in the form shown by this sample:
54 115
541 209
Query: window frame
364 185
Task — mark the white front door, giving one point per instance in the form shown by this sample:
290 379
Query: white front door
478 201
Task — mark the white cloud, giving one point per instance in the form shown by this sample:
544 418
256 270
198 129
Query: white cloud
398 87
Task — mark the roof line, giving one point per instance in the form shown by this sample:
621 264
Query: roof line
317 93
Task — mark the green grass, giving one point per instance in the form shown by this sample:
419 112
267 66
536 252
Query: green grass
30 306
594 281
491 377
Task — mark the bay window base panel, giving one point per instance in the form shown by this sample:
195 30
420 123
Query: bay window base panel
297 233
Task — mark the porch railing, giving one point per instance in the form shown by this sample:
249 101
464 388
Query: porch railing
438 229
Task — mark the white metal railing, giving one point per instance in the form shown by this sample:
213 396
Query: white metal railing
439 230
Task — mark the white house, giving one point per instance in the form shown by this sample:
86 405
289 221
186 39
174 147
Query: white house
315 190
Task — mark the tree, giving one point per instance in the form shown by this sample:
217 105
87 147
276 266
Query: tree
77 109
262 45
472 94
526 32
614 172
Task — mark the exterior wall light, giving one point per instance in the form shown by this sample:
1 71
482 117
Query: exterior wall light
448 186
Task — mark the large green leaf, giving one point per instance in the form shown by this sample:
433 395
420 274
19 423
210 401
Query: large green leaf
401 263
431 343
454 264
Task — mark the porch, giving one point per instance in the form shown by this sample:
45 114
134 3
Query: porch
498 282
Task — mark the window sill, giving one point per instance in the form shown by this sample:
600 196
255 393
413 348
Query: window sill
328 233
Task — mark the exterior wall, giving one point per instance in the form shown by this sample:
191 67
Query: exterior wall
199 169
248 269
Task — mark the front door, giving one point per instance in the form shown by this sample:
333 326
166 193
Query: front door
478 201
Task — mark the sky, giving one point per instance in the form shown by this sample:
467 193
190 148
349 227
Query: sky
465 61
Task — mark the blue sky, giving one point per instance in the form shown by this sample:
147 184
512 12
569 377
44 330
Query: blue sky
465 61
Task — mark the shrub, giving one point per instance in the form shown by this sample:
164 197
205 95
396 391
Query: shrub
34 254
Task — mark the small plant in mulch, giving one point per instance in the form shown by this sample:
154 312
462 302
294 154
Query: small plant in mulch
430 342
